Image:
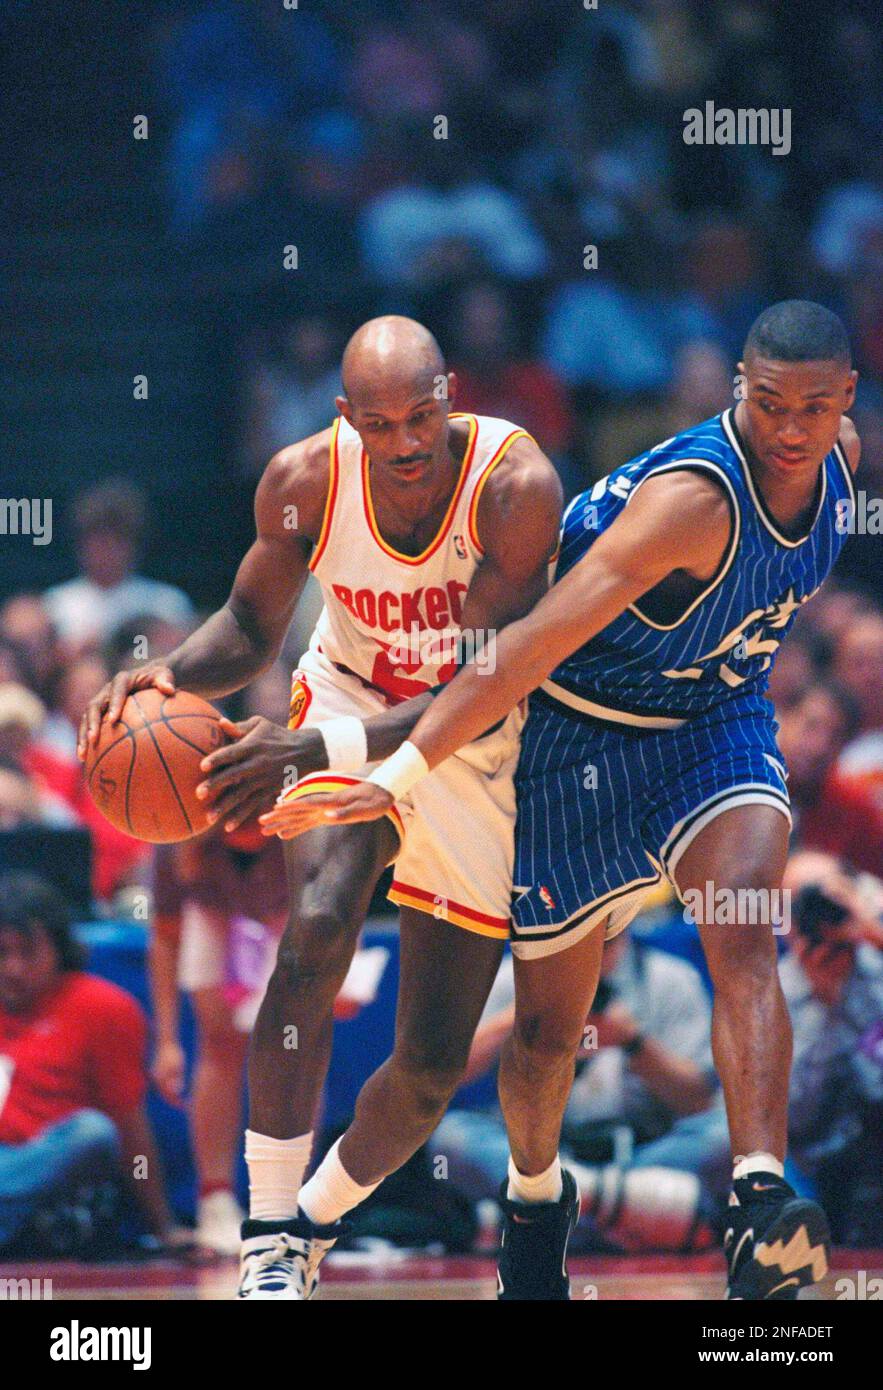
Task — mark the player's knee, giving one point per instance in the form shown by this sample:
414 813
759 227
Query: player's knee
315 951
541 1044
430 1080
740 940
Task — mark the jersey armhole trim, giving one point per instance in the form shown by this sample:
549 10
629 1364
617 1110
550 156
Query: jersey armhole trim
840 455
331 497
697 466
502 451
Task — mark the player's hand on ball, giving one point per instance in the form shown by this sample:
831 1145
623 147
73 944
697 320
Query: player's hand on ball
109 701
364 801
243 777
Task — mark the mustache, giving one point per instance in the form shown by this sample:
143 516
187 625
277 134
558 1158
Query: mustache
415 458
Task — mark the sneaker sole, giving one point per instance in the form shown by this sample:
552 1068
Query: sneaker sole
793 1254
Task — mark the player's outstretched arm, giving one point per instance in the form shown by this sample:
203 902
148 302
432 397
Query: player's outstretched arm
241 639
677 522
681 521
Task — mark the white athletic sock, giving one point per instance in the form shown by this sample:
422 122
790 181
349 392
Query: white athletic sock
744 1164
275 1173
545 1187
331 1192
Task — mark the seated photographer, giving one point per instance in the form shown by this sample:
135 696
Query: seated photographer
832 977
645 1132
72 1085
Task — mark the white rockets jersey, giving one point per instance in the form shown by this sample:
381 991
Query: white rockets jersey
393 619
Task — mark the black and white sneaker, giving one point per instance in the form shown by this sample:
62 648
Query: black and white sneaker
776 1242
533 1251
280 1259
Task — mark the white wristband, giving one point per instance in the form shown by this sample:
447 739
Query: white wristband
346 743
402 771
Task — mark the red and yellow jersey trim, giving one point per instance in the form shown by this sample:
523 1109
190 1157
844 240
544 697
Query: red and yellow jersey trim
316 782
443 907
331 497
449 514
482 479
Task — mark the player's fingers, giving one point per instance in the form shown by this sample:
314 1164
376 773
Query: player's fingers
119 693
246 812
364 802
235 798
305 812
301 825
344 815
95 713
226 756
159 676
284 810
221 775
231 729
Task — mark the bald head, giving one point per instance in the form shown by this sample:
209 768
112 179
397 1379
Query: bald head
390 353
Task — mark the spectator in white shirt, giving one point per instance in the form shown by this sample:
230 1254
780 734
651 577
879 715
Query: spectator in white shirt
109 520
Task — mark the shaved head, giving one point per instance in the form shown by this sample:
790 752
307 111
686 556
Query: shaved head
391 352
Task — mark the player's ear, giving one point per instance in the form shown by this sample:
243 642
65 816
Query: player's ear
453 387
850 389
344 408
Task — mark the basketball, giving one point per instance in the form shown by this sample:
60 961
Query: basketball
143 771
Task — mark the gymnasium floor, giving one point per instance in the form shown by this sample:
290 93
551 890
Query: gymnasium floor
400 1277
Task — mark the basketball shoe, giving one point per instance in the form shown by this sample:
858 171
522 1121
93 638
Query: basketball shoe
280 1259
776 1242
533 1251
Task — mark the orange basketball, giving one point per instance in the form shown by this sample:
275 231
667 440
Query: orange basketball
143 771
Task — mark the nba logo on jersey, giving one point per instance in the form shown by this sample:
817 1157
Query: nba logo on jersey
460 546
547 898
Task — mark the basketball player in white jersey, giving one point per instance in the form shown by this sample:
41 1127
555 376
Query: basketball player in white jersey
421 525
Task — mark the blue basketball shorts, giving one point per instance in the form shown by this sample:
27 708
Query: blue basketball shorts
604 811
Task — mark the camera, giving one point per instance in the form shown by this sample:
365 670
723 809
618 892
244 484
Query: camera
817 913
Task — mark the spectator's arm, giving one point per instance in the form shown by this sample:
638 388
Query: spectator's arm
162 959
169 1063
677 1081
142 1169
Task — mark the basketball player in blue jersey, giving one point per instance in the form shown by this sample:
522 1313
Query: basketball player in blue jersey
650 751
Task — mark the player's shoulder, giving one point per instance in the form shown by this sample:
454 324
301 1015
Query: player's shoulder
850 442
298 476
524 481
688 492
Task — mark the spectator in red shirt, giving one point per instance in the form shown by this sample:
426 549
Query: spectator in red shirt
72 1073
832 812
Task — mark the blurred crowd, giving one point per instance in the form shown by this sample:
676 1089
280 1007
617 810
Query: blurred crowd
515 175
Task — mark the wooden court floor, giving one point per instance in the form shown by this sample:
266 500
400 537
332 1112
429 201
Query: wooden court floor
402 1277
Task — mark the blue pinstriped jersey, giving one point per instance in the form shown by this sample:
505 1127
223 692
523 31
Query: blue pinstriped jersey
647 673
